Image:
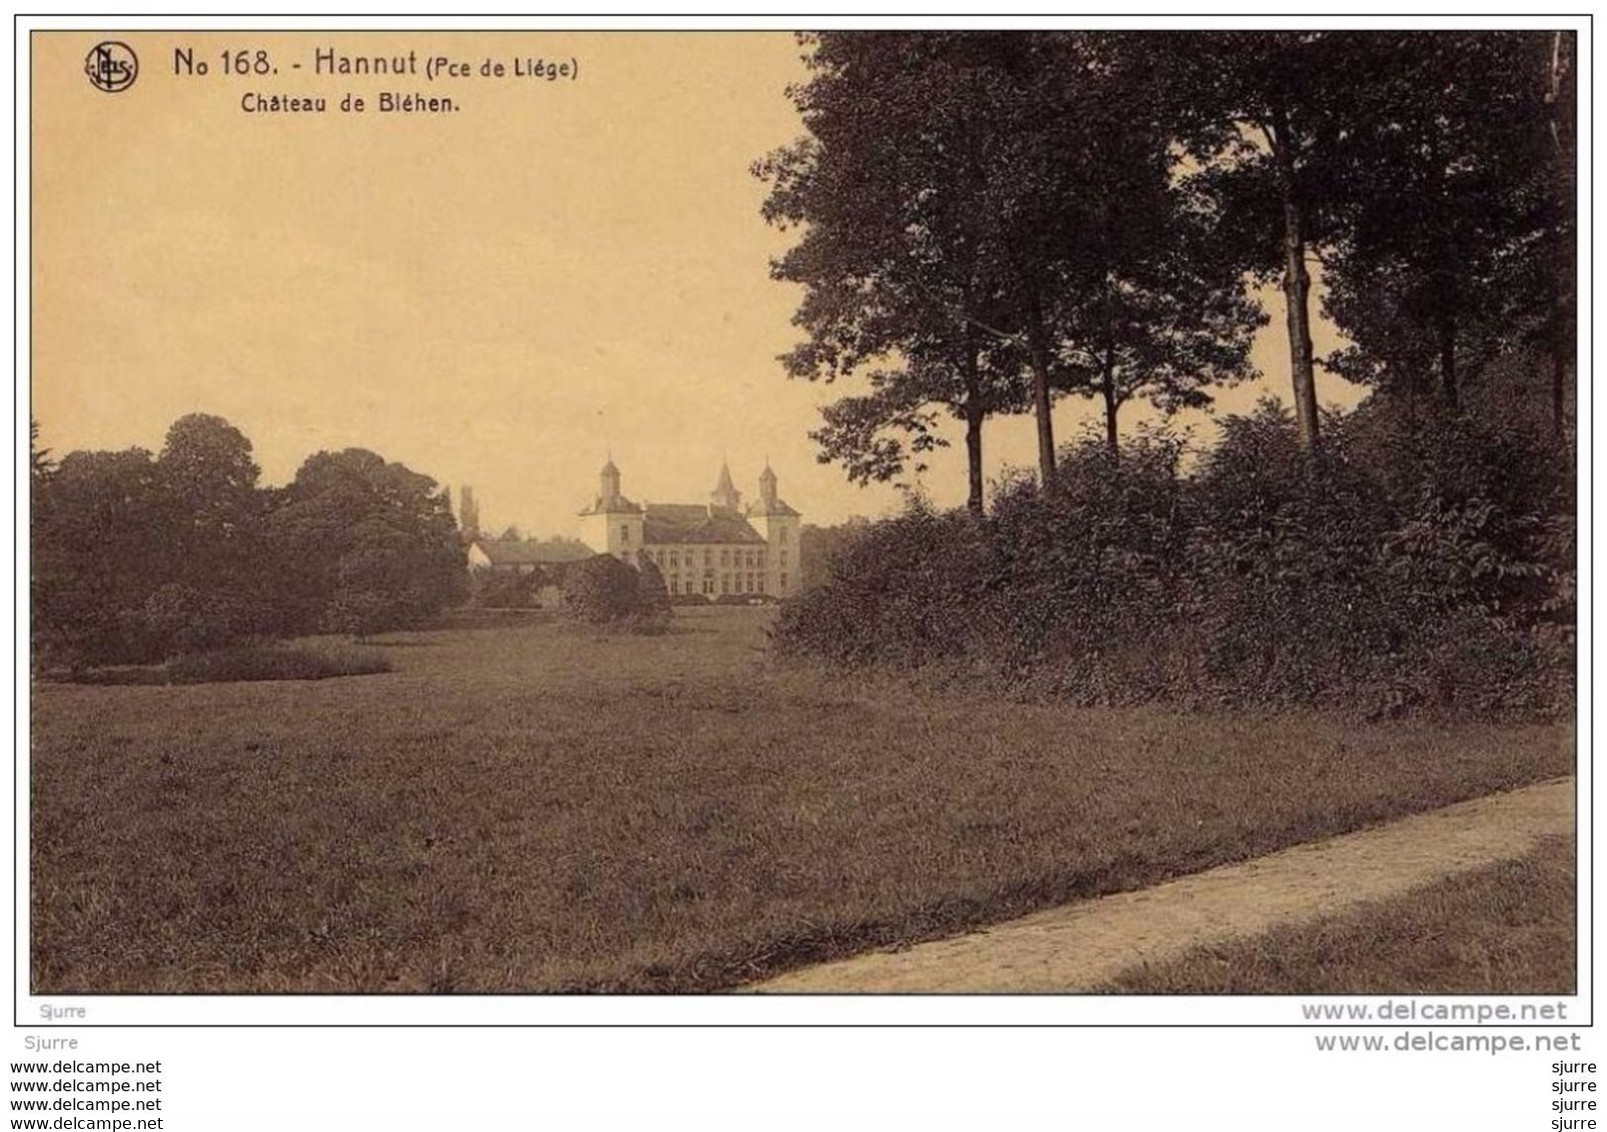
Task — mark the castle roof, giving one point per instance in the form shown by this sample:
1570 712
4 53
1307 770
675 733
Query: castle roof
618 505
696 523
779 508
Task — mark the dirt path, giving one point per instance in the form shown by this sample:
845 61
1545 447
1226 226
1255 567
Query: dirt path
1085 944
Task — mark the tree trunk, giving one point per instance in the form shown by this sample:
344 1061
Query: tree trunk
973 428
1560 372
1038 351
1448 389
1108 388
1562 260
1296 285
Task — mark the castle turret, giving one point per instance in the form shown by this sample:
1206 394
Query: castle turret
612 524
725 493
781 526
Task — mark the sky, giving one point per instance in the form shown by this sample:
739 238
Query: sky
502 296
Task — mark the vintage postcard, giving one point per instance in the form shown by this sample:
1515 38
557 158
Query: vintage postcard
1079 519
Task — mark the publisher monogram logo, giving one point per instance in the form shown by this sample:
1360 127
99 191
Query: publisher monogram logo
111 66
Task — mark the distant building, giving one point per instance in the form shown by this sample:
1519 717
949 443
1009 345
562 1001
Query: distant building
523 556
715 548
510 552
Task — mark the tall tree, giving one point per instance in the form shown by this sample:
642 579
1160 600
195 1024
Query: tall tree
209 481
1438 260
875 435
1154 289
365 544
938 190
99 547
1560 172
1260 111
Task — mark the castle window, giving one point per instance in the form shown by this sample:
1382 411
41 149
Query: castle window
725 558
783 581
708 557
783 558
624 532
708 585
725 583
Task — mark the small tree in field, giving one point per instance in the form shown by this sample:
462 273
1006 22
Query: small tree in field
652 597
652 593
602 589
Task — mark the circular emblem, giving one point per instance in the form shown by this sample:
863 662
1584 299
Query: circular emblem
111 66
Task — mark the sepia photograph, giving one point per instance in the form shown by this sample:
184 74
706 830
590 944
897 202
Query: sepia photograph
914 512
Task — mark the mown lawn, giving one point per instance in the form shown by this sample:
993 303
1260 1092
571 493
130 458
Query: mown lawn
541 807
1507 928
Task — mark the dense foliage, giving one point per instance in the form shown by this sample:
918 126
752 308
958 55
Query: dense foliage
1098 214
987 222
138 558
1406 568
507 589
602 589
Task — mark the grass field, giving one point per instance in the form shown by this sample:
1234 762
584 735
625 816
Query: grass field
537 806
1506 928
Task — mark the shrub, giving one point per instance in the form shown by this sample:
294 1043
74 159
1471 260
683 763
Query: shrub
602 589
245 662
652 593
179 618
275 662
904 593
361 613
502 589
1402 567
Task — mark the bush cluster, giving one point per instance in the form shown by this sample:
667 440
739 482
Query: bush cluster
501 589
1405 567
248 662
602 590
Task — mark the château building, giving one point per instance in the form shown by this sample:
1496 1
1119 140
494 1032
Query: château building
715 549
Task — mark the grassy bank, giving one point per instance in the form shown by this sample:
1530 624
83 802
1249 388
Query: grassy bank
1507 928
541 807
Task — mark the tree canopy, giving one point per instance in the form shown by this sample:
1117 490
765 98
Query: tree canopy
139 557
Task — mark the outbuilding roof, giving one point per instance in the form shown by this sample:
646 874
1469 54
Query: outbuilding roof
531 552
